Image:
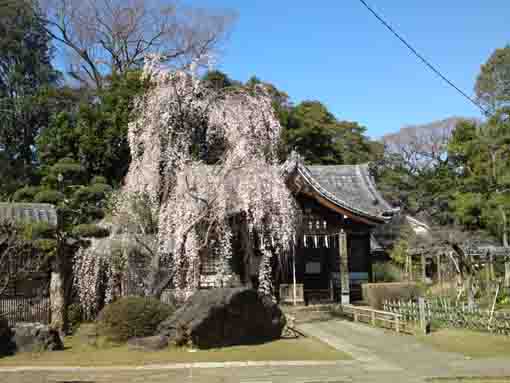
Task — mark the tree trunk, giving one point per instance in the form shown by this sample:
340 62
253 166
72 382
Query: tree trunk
468 287
507 274
57 301
60 289
505 244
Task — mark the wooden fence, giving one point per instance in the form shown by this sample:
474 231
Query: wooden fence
386 319
446 312
22 309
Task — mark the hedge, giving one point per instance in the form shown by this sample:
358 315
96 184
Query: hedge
131 317
90 231
49 196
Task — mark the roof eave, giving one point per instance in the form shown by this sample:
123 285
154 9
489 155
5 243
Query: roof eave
312 182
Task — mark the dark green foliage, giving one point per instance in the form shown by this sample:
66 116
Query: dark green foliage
93 194
74 316
88 230
38 230
386 272
218 80
46 246
98 180
493 82
25 74
320 138
481 155
132 317
42 237
26 194
60 139
49 196
73 173
95 135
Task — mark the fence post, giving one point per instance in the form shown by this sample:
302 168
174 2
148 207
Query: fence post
355 315
373 318
397 323
421 307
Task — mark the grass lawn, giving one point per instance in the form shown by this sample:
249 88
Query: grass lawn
79 353
470 343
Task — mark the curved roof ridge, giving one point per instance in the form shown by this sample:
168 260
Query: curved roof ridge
365 172
341 202
417 222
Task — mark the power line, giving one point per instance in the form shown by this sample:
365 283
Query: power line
424 60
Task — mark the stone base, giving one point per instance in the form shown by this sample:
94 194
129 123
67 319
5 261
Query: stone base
345 299
36 337
150 343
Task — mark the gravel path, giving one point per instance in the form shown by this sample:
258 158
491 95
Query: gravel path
385 350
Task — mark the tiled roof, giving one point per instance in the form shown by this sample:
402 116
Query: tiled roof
350 187
29 212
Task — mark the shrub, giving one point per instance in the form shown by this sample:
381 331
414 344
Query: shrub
92 194
38 230
132 317
74 316
98 180
386 272
88 230
46 246
49 196
73 172
26 194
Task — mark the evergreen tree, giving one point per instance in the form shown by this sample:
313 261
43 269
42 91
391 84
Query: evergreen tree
25 74
314 132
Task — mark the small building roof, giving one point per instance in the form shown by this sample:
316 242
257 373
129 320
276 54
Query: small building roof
29 212
384 237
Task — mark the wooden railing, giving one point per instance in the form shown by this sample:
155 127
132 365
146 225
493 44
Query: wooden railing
374 317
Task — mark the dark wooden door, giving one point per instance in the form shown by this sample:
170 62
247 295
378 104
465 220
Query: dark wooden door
318 262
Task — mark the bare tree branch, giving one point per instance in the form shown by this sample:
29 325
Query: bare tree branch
112 36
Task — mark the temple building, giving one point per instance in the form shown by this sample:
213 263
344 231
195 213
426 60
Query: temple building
341 208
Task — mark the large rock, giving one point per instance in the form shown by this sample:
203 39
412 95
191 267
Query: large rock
149 343
224 317
7 347
35 337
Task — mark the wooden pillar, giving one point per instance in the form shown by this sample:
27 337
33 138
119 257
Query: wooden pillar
421 309
488 271
507 274
294 276
439 272
344 268
491 267
423 267
411 277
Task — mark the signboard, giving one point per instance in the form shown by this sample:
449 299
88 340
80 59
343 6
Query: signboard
313 268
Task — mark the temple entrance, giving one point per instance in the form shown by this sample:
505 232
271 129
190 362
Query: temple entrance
319 268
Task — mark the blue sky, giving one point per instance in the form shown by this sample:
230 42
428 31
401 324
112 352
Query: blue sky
338 53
